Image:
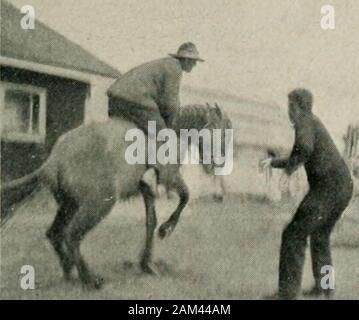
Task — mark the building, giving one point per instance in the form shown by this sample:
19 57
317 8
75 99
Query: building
48 86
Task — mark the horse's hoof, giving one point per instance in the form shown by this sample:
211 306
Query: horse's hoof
128 265
274 296
93 283
162 232
218 198
165 230
68 277
149 269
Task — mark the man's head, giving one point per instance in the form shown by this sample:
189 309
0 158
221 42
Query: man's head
187 64
188 55
300 102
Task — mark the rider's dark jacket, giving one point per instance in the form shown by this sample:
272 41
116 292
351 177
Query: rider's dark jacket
154 85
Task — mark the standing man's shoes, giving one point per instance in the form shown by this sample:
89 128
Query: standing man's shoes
277 296
316 292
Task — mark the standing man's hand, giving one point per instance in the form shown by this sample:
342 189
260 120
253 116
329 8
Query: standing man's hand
266 163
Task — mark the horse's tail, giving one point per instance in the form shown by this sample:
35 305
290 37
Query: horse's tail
16 191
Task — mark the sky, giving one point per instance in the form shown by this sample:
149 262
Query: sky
253 48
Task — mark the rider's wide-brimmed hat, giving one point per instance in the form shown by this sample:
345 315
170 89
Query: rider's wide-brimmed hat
187 50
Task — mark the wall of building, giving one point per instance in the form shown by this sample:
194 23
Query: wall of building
97 104
65 110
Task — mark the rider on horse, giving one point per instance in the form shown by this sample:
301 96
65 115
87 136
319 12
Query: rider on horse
150 92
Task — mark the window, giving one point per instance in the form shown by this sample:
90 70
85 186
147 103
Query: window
23 113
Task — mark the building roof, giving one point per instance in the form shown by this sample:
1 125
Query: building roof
45 46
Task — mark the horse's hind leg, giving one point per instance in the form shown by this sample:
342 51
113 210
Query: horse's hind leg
65 212
151 222
90 213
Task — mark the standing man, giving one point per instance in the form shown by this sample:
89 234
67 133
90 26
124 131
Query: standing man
150 92
330 190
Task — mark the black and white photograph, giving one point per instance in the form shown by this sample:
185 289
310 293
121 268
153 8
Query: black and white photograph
179 150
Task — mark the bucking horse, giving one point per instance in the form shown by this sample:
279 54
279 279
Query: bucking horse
87 172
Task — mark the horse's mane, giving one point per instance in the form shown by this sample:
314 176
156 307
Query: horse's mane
195 116
192 116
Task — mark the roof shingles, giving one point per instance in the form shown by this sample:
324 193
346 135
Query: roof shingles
45 46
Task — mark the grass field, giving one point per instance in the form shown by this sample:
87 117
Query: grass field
218 251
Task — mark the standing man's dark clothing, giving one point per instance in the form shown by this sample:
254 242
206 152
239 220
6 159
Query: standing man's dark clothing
329 194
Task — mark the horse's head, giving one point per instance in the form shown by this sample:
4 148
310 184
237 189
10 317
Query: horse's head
214 116
219 123
217 118
206 118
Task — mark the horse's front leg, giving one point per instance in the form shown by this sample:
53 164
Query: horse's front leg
219 188
179 186
151 222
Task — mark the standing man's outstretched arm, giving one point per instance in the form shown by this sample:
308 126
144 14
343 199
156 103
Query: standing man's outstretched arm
302 149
